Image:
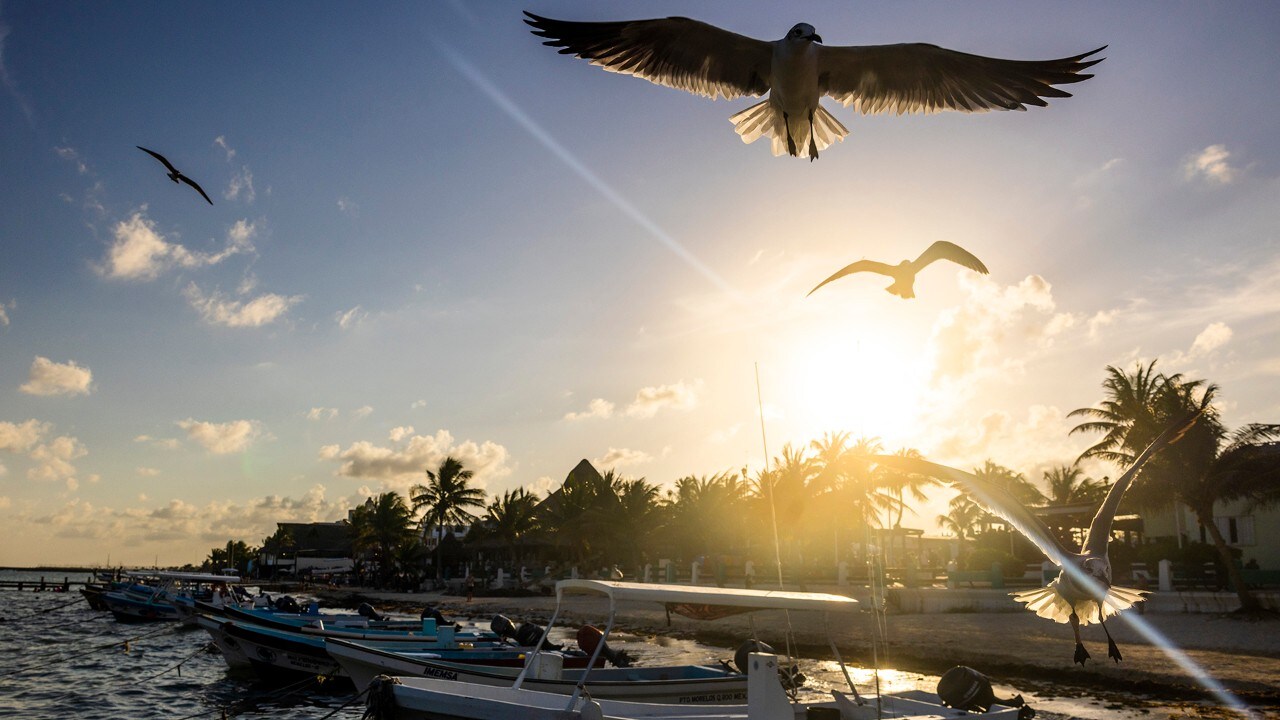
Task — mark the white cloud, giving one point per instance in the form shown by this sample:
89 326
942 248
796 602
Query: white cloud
241 186
70 155
221 142
363 412
1210 339
678 396
4 312
974 340
217 309
347 207
54 460
417 404
1210 164
617 457
319 413
148 472
399 433
50 378
140 252
350 318
167 443
17 438
185 529
597 408
399 467
5 502
223 438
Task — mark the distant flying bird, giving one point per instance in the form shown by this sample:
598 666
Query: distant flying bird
1082 593
798 70
904 273
174 175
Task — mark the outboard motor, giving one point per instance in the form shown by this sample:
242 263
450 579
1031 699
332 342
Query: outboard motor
528 635
366 611
964 688
288 604
435 614
746 648
791 678
501 626
590 637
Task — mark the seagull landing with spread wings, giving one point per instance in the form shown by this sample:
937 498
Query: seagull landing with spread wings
174 175
1082 593
798 70
904 273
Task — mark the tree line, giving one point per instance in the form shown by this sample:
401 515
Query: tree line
823 498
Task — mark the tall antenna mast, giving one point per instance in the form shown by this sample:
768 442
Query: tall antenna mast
773 513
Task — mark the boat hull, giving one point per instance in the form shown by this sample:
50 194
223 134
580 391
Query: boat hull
687 684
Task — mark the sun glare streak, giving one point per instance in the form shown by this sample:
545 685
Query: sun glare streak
502 101
1193 669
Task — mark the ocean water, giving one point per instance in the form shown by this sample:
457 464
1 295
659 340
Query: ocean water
59 659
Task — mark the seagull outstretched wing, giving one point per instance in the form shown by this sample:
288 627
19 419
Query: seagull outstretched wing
675 52
1095 541
859 266
992 497
943 250
193 184
917 77
168 165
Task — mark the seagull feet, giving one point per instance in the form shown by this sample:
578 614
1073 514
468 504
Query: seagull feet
1113 651
813 145
791 142
1081 653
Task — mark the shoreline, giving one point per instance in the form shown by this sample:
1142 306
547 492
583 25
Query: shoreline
1243 655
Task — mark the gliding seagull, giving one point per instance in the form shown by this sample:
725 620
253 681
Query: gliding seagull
798 70
1082 593
904 273
174 175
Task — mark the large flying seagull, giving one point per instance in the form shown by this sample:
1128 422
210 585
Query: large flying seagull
174 175
904 273
798 70
1082 592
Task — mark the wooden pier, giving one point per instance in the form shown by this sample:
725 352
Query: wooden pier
43 584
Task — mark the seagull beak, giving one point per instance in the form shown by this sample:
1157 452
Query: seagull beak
816 38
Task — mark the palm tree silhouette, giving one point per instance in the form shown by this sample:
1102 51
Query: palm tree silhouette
447 498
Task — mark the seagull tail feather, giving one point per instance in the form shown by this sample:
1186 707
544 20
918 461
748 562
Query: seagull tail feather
765 120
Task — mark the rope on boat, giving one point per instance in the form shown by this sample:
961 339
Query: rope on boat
78 652
226 711
344 705
381 704
178 667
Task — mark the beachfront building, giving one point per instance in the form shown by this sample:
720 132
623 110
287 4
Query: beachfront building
302 549
1254 531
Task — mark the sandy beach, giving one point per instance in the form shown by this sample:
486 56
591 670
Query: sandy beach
1017 649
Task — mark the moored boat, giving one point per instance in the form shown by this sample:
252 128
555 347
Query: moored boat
416 698
674 684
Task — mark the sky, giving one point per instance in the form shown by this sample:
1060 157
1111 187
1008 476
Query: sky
431 235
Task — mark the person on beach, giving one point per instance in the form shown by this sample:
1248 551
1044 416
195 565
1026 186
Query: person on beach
471 587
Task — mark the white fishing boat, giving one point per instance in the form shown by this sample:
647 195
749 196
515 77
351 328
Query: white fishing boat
413 698
151 603
670 684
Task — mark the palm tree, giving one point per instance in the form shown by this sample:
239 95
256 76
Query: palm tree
963 518
900 483
636 518
510 519
447 497
1067 485
381 525
578 514
707 513
1209 465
